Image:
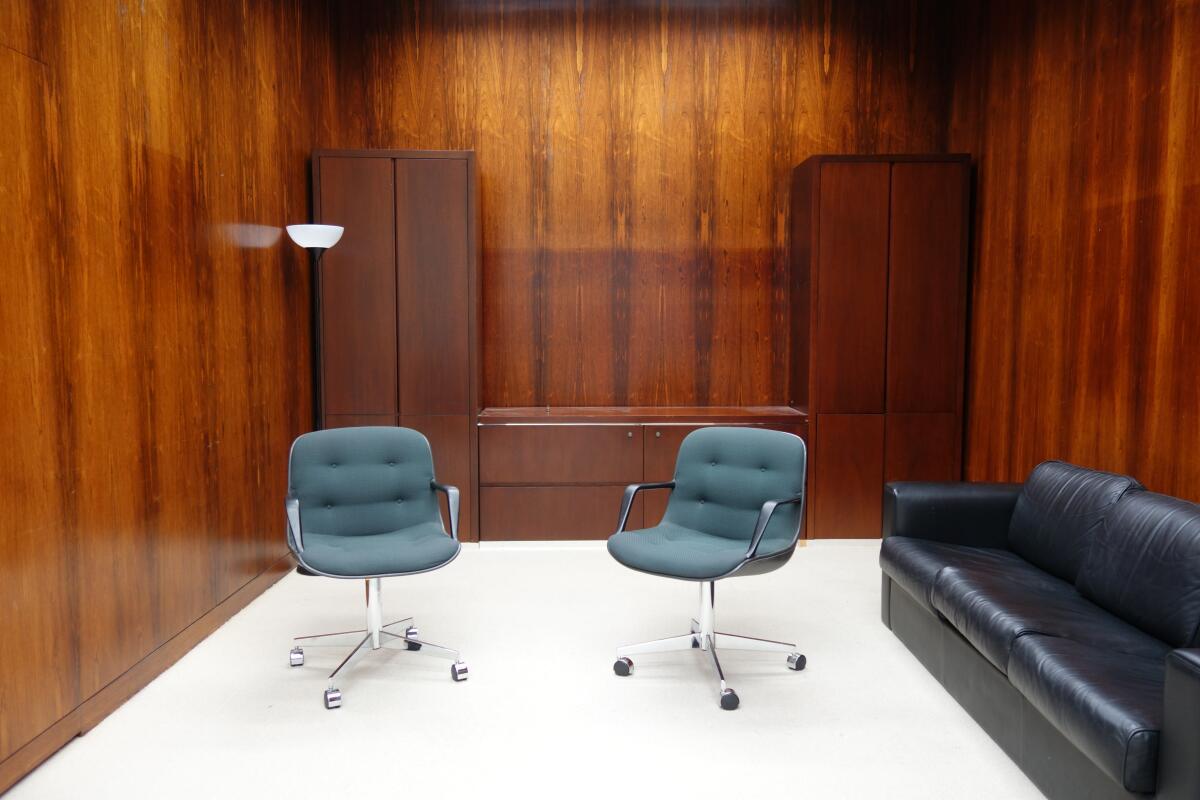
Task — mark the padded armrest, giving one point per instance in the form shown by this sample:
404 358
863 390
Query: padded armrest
1178 767
451 493
973 514
295 533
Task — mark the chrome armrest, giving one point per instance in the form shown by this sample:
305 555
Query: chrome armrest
451 493
764 519
295 534
630 491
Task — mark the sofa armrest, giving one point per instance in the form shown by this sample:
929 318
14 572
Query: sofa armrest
974 514
1178 767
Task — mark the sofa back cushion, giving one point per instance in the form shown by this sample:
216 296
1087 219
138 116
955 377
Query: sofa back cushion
1145 566
1058 513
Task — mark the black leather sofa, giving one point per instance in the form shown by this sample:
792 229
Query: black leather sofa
1064 615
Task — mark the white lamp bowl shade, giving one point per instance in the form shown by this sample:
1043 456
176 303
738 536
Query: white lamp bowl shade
323 236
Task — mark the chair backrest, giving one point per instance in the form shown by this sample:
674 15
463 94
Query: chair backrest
360 481
724 475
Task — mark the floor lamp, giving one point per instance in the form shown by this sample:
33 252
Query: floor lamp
316 239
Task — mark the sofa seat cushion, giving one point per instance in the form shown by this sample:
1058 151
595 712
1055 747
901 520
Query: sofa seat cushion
1110 704
992 606
915 563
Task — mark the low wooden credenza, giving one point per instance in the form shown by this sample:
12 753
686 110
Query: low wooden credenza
559 473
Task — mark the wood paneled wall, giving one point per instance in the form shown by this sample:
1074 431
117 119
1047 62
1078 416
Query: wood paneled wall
1085 338
634 163
154 332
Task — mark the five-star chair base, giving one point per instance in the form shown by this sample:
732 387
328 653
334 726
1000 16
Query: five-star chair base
375 636
703 637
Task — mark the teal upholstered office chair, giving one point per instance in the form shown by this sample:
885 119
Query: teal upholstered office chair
735 509
362 505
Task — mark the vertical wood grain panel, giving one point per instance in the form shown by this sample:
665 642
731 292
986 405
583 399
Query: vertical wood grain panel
431 286
926 287
155 330
357 420
1084 336
851 298
37 683
922 447
358 288
634 164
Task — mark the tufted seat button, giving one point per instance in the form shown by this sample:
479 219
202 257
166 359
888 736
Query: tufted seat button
333 466
702 501
391 463
762 469
329 505
399 500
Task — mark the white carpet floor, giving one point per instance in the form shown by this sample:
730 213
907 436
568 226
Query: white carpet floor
542 714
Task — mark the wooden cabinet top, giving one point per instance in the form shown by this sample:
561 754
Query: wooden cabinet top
641 414
964 158
468 155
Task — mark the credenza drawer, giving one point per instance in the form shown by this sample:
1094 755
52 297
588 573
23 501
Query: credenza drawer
559 454
553 512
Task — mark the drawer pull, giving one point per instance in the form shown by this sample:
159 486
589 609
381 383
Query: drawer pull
629 434
658 434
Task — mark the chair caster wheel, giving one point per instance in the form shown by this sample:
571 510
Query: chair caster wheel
729 700
296 657
458 671
695 642
411 632
623 667
797 661
333 698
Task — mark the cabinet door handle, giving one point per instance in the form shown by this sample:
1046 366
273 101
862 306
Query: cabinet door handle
629 434
658 434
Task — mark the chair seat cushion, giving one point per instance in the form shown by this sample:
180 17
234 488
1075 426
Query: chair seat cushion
915 563
678 552
413 549
992 606
1110 704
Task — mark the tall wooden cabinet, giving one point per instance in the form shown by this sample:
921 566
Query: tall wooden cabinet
879 281
398 321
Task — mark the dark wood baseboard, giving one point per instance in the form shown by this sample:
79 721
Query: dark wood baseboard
90 712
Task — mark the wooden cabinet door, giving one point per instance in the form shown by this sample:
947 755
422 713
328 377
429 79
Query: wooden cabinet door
927 286
358 288
553 512
558 454
661 448
432 269
851 288
450 440
847 483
